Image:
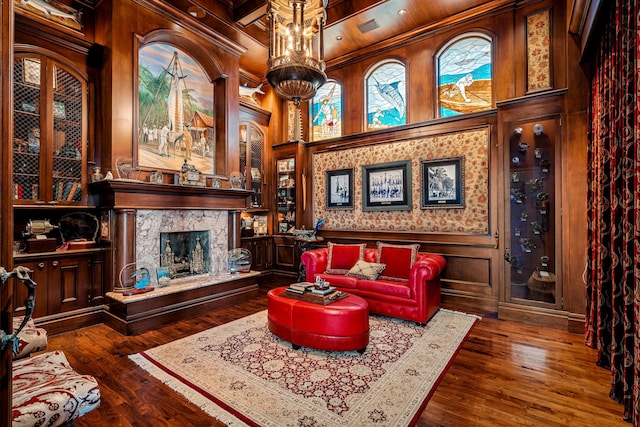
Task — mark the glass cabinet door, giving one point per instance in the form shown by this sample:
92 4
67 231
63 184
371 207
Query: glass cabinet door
252 141
49 132
531 221
27 77
286 199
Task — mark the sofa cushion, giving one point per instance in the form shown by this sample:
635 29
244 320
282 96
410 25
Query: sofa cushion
339 280
399 260
385 287
342 257
366 270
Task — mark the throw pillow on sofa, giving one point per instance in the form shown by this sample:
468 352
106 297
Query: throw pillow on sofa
399 260
342 257
366 270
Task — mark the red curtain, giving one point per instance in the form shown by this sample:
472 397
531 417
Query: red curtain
613 286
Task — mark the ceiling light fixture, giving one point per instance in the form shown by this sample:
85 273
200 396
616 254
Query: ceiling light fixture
402 12
196 12
295 67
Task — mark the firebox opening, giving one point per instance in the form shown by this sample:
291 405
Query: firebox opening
185 253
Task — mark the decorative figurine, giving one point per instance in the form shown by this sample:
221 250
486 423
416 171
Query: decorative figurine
545 165
538 153
523 146
537 129
97 175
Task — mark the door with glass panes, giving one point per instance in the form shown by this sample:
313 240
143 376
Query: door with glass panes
251 152
50 127
533 213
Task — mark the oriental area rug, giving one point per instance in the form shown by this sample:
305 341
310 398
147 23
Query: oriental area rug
243 375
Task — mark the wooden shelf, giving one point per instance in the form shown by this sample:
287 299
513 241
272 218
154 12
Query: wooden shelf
145 195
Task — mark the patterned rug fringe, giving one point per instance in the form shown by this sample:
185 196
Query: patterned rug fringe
461 312
188 392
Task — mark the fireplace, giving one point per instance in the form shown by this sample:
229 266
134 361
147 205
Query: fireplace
184 253
193 237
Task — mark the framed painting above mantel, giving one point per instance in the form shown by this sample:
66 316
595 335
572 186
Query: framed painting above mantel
176 110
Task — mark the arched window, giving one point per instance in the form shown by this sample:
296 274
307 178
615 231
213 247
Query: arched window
326 111
465 73
386 95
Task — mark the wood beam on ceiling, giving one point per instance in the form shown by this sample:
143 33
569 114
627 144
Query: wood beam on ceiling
249 11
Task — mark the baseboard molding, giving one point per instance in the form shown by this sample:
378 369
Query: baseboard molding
536 316
151 313
71 320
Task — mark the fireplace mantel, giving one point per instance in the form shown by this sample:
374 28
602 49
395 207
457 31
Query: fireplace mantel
118 194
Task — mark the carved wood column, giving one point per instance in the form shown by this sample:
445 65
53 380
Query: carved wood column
125 238
234 229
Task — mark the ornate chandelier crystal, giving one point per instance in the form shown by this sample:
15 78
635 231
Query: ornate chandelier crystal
296 54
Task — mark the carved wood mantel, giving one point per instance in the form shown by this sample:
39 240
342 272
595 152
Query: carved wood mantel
144 195
124 198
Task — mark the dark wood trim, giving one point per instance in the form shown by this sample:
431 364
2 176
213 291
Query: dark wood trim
583 22
71 321
169 12
145 195
6 199
151 313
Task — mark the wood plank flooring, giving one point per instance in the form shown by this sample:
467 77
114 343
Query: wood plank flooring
506 374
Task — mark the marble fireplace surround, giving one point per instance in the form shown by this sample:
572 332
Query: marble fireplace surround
139 212
150 223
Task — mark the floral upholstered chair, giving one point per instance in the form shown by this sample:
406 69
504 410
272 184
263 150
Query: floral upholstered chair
46 389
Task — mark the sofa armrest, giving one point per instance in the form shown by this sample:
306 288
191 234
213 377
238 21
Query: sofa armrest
315 262
429 266
424 281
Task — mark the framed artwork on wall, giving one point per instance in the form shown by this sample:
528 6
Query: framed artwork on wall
387 186
175 110
443 183
340 189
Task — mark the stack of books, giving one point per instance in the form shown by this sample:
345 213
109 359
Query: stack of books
300 288
325 291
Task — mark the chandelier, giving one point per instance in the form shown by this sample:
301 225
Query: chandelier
296 52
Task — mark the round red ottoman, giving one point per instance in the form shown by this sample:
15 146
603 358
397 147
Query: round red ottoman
342 325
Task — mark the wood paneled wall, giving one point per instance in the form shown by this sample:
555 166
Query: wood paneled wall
475 272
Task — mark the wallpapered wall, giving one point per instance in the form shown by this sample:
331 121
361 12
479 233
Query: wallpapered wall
473 145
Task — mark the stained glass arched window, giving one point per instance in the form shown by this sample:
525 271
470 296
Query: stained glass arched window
465 73
386 96
326 111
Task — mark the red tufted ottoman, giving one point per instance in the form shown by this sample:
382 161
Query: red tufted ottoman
340 326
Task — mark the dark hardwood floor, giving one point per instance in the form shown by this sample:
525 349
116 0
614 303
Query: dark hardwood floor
506 374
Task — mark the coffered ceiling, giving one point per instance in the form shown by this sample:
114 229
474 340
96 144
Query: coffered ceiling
354 27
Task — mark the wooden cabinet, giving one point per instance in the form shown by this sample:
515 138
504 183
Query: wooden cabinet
261 248
66 282
252 140
50 131
285 254
253 132
532 250
286 196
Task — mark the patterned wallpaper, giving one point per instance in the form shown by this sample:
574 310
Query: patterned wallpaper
473 218
539 51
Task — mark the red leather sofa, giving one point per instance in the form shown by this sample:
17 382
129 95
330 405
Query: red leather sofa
406 289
